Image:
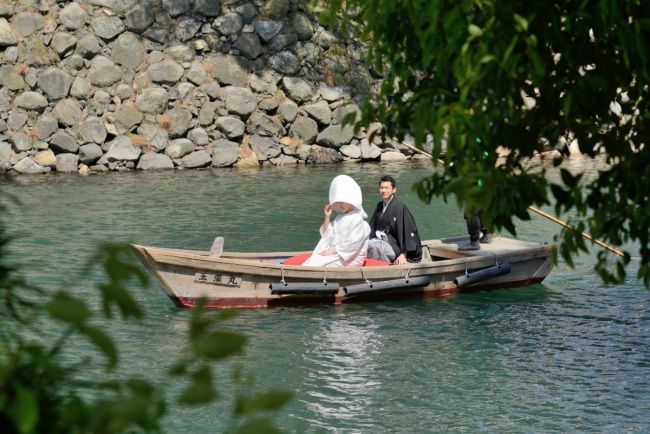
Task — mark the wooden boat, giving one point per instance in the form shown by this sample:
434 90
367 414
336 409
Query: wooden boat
254 280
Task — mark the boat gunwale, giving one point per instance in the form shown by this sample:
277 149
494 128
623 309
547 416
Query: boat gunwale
253 265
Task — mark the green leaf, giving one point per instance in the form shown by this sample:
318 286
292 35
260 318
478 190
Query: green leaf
217 345
24 409
270 400
521 24
68 309
200 390
474 30
257 426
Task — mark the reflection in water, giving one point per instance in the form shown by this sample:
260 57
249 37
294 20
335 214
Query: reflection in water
343 371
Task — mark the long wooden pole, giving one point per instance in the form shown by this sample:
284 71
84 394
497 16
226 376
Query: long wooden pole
540 212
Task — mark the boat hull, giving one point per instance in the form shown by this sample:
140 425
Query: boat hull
243 280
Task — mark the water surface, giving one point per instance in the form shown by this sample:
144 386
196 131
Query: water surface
570 355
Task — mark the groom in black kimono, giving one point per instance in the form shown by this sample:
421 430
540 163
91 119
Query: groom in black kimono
393 234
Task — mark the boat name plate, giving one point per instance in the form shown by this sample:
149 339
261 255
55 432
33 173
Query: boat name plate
218 278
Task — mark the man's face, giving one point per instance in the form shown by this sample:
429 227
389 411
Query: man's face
386 190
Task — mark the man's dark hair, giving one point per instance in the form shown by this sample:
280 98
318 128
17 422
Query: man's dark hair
388 179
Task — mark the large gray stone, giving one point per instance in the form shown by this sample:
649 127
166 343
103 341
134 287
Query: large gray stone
231 126
55 83
267 29
282 41
103 72
140 17
155 136
263 82
228 24
207 8
28 166
349 110
88 46
152 100
63 43
392 156
285 62
61 141
67 163
249 45
167 72
320 111
198 136
276 9
46 126
68 112
45 158
334 93
81 88
229 69
351 151
181 53
16 119
335 136
31 101
305 128
240 101
176 7
7 35
127 117
264 147
322 155
89 153
21 141
206 113
297 89
154 161
128 51
6 152
10 79
92 130
27 23
288 110
196 159
73 16
122 149
176 121
224 153
369 151
197 74
264 125
186 28
107 27
179 148
303 27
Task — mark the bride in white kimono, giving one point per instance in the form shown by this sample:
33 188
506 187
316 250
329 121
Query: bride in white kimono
344 241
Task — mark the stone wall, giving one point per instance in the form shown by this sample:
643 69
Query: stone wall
98 85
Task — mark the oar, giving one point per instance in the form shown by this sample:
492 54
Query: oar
540 212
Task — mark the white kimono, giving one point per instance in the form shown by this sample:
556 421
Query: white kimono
348 235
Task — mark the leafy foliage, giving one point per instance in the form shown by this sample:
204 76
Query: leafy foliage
42 392
486 77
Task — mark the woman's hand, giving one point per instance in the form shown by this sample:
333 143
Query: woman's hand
328 211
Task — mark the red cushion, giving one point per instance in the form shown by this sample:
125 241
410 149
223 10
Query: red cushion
299 259
296 260
374 263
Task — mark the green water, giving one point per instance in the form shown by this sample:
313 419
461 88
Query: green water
567 356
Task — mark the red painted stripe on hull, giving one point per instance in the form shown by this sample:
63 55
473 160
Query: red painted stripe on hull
254 303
